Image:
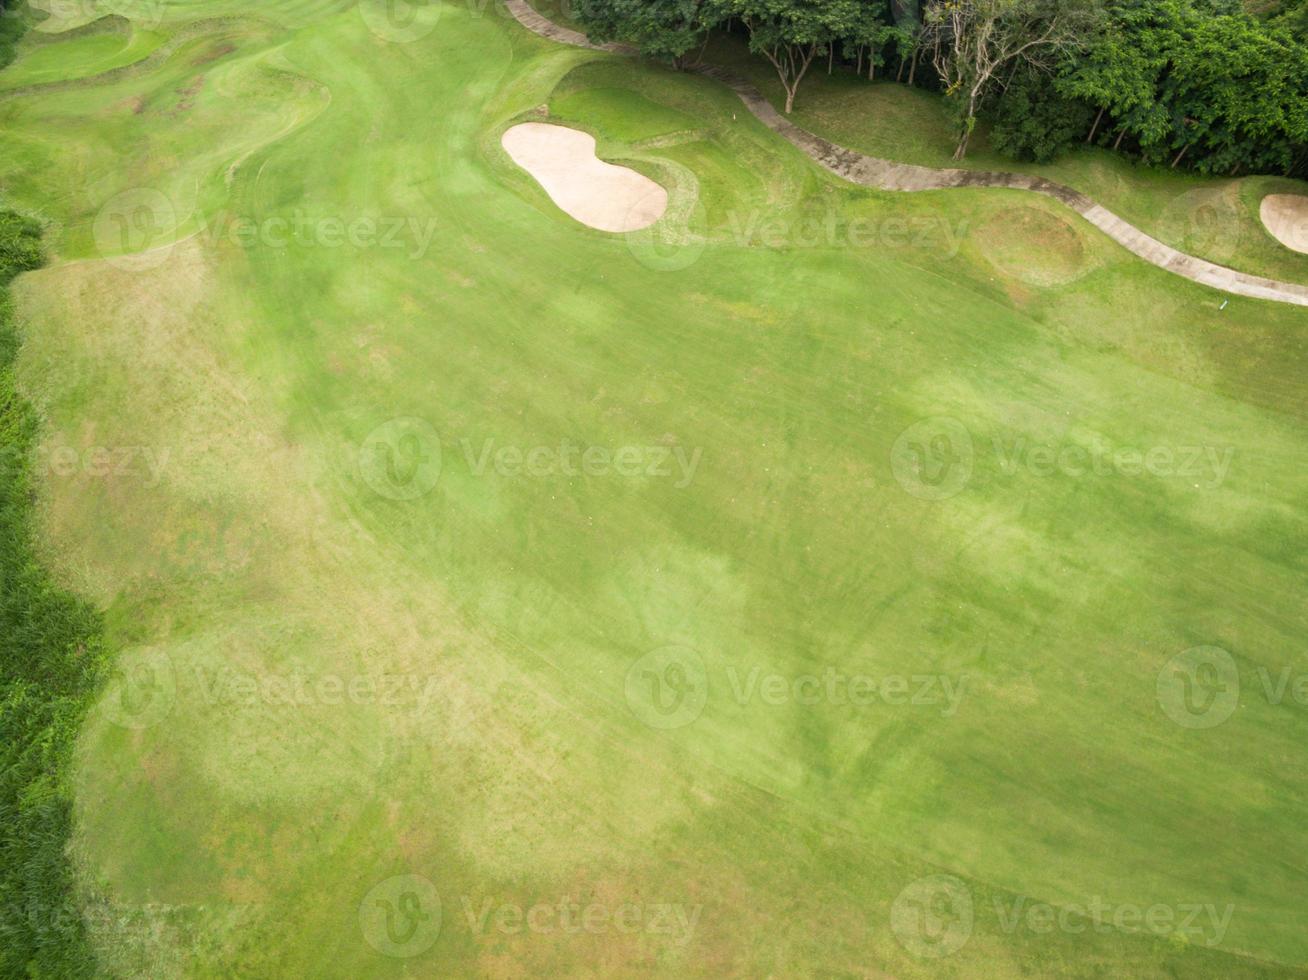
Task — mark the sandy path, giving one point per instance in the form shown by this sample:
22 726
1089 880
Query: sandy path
870 171
1286 217
596 193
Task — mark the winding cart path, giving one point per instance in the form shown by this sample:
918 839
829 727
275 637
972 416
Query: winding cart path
888 175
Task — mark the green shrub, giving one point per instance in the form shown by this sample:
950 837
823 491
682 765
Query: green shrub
50 667
1034 123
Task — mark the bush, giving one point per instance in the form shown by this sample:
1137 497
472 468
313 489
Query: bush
1035 123
50 668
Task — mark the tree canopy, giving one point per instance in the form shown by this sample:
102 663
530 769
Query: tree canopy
1203 84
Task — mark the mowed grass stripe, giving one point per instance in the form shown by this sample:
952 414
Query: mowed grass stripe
252 831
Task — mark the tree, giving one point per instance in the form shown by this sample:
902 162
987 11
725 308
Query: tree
791 33
868 32
973 41
1035 122
664 29
1195 82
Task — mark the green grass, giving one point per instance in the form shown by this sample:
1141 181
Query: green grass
785 327
50 665
87 55
1212 218
620 114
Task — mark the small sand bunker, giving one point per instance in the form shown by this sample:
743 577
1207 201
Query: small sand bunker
1286 217
596 193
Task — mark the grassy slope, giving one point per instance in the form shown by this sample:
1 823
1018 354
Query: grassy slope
49 669
87 55
1214 219
241 837
50 665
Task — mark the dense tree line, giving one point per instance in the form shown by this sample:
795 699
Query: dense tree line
12 25
1209 85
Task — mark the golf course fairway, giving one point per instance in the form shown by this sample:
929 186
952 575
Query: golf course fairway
817 582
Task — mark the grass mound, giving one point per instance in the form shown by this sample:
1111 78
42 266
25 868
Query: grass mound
1032 245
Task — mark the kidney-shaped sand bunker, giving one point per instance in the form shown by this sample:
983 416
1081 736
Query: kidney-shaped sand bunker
596 193
1286 217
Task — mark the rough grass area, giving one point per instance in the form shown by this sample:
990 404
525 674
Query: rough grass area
1215 219
400 628
13 24
50 667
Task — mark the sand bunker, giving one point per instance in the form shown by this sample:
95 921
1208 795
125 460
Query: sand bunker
596 193
1286 217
